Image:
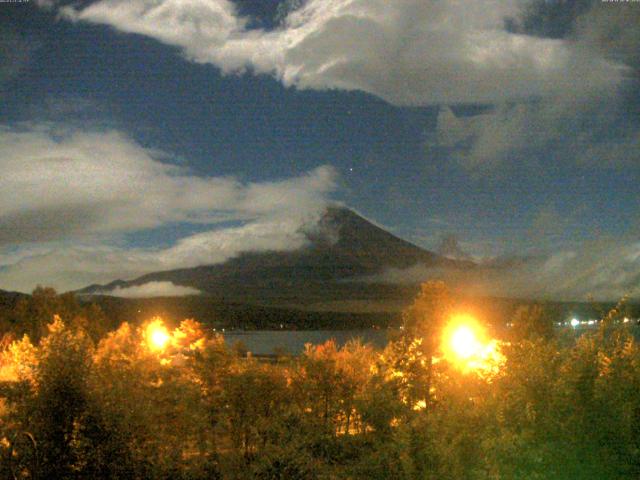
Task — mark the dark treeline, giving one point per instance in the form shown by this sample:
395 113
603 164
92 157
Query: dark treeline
152 402
19 311
215 312
22 314
220 313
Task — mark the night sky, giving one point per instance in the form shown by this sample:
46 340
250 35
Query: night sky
142 135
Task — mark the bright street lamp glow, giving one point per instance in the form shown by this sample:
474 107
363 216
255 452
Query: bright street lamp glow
466 346
575 322
157 335
159 339
464 342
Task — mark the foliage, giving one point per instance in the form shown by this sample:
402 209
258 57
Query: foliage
75 405
31 315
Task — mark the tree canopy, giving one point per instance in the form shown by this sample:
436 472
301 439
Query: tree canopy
159 401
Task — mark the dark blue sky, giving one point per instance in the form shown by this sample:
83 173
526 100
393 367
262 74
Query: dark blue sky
505 176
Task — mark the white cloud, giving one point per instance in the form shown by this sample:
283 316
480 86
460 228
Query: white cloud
613 28
218 245
480 139
72 264
79 183
587 131
66 197
589 127
602 270
408 52
153 289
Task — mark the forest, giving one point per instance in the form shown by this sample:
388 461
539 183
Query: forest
449 397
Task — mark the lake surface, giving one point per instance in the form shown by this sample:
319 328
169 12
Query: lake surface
266 342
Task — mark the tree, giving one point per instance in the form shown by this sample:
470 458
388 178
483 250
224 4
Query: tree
531 322
32 314
255 398
423 322
54 410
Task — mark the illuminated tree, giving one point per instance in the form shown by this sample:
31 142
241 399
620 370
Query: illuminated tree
151 400
354 362
156 402
423 322
328 383
55 409
255 397
31 314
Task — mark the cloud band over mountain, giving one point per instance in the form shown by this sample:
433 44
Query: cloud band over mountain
602 270
67 198
153 289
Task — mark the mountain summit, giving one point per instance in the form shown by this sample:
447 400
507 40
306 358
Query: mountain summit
342 249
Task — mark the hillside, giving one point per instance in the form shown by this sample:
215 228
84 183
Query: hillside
342 249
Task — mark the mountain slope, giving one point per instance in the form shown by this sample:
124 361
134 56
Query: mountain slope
8 301
342 248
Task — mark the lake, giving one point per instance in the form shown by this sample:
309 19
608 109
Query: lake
265 342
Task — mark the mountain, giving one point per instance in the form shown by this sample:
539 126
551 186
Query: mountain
7 297
8 300
342 249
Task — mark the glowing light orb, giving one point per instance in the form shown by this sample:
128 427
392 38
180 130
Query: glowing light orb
465 345
464 342
157 335
575 322
159 339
